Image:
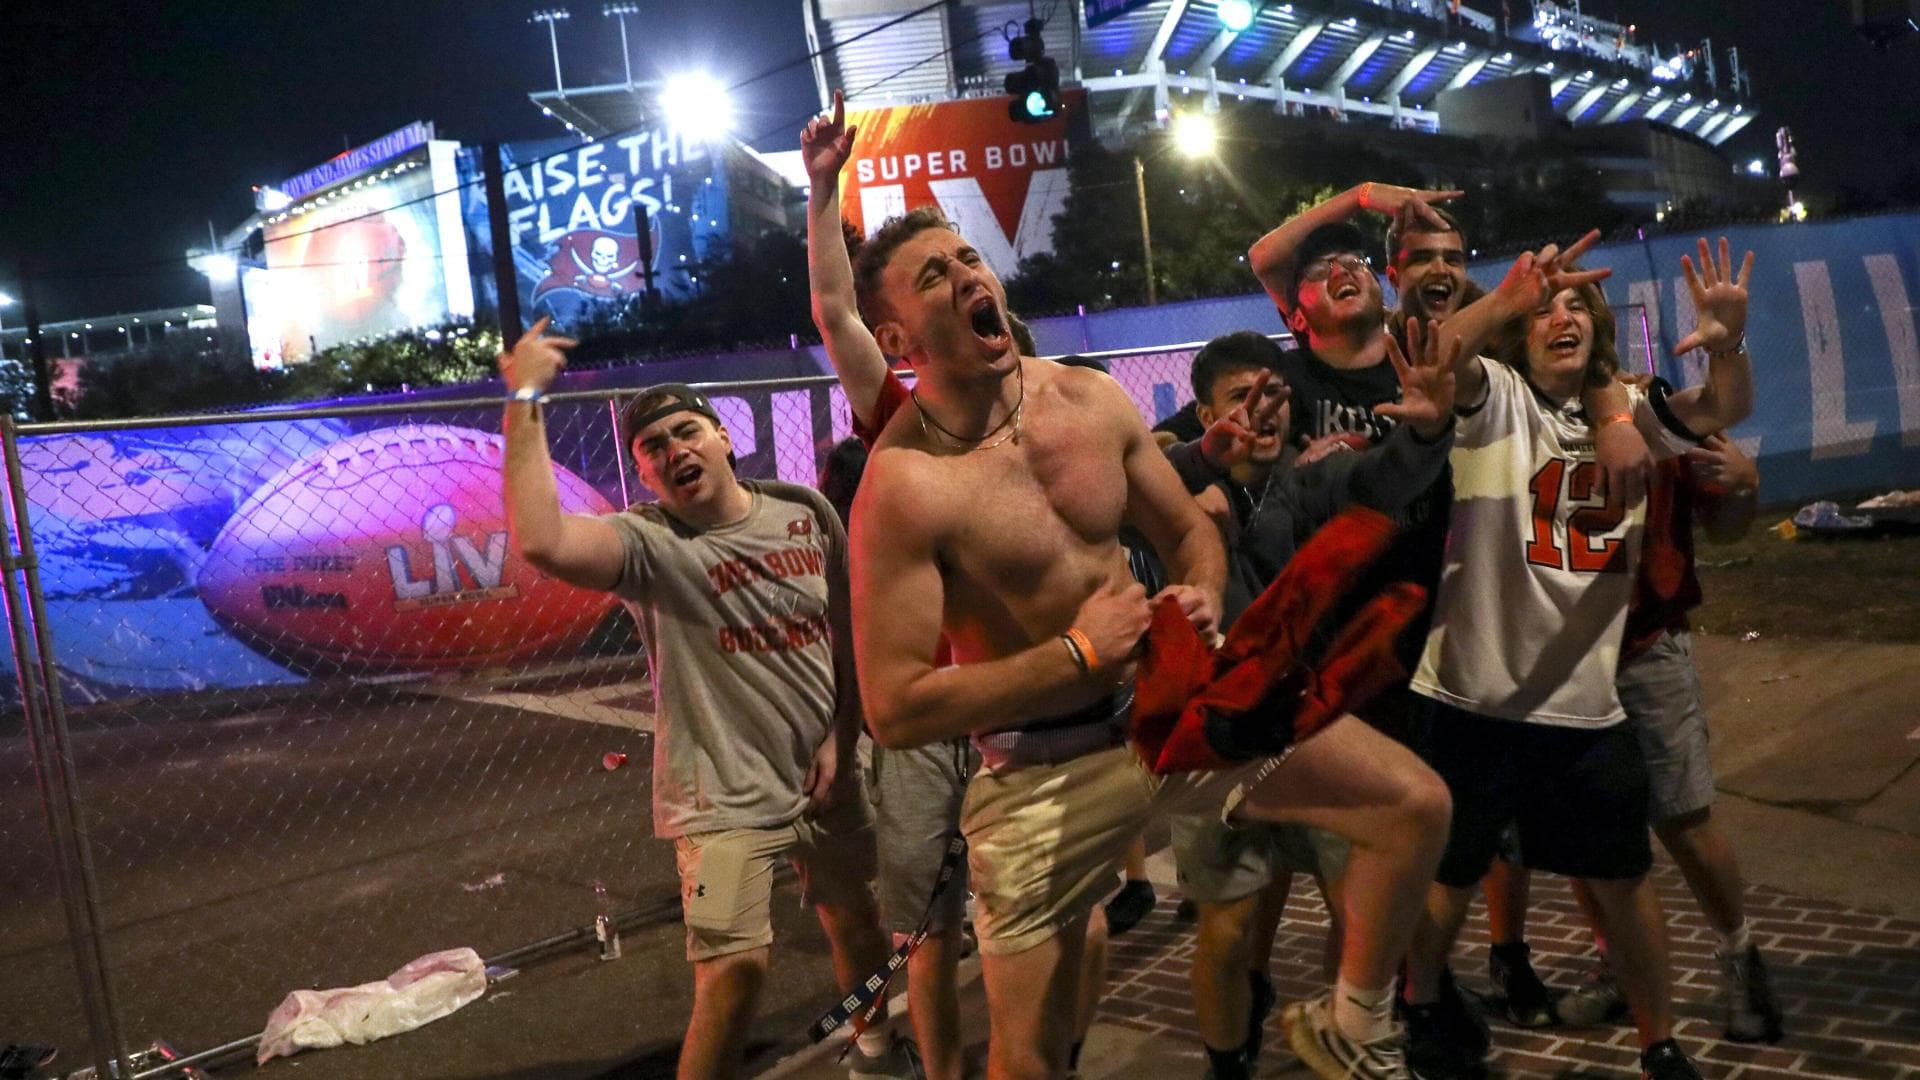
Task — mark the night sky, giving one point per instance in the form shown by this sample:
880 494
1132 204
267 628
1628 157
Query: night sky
127 129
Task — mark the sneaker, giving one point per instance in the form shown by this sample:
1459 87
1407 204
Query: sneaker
1524 1000
1131 904
1665 1060
1323 1048
1447 1038
1597 1000
1264 999
1752 1013
900 1062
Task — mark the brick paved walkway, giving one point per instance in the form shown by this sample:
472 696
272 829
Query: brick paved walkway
1848 980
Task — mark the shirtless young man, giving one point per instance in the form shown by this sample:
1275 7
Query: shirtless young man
990 512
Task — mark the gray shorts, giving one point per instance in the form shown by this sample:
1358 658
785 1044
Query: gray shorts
1220 862
1661 692
916 807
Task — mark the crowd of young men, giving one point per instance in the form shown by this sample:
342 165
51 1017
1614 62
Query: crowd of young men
1002 632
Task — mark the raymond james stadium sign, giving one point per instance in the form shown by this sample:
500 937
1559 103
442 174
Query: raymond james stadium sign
358 160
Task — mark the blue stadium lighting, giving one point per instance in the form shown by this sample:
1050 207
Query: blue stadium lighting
1236 15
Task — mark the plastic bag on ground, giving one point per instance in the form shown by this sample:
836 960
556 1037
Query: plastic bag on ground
423 991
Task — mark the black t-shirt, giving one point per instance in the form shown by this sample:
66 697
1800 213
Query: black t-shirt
1329 400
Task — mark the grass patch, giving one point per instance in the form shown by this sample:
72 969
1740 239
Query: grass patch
1845 590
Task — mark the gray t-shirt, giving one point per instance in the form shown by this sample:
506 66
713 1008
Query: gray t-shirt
740 647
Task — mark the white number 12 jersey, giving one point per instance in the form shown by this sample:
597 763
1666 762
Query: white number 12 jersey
1533 595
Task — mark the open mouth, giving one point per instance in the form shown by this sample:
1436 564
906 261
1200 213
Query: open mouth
1346 290
1437 294
687 475
987 322
1564 345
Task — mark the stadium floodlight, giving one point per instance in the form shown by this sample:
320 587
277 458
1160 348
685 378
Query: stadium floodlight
1756 167
216 265
1236 15
1194 134
696 104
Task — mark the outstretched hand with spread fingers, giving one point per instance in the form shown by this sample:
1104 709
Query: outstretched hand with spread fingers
1719 301
1426 380
1537 276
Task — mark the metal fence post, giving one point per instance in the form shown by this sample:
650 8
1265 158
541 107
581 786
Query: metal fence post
41 704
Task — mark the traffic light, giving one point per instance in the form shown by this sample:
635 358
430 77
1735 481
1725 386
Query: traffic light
1035 89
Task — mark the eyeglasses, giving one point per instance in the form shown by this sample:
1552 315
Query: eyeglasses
1322 268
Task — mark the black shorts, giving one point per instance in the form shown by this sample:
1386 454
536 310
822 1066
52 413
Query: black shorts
1578 796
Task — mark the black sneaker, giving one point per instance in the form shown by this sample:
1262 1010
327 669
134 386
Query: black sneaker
1525 1001
1131 904
1186 911
1665 1060
1753 1014
1446 1040
1264 999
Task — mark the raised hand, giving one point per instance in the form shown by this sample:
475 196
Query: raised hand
827 142
1392 200
1719 300
1426 381
1536 277
536 359
1228 441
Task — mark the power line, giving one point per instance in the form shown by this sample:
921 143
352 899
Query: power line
181 262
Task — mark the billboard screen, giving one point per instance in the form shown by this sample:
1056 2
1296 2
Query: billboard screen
381 254
1001 182
571 216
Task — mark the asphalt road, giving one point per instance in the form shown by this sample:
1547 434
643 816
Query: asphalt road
244 850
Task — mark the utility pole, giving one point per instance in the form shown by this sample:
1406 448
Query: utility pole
42 372
506 282
1146 229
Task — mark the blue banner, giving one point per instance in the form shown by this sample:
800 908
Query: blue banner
572 211
1831 329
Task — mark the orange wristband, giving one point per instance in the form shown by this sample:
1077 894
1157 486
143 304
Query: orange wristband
1079 639
1616 418
1366 190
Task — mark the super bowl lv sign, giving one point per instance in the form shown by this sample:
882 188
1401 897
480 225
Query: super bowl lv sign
1000 182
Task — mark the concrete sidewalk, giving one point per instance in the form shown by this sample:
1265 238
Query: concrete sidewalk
1816 745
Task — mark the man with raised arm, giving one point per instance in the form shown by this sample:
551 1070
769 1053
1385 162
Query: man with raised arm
739 590
990 514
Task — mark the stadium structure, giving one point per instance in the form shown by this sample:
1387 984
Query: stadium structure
1374 61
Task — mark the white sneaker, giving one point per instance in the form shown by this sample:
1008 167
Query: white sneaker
901 1061
1324 1048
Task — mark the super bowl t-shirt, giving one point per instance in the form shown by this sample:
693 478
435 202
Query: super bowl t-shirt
1533 596
741 654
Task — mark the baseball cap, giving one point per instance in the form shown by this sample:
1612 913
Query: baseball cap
679 398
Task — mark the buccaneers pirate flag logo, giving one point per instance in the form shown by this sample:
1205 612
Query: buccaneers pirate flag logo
596 263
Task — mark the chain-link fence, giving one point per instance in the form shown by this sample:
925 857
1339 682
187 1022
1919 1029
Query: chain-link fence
291 712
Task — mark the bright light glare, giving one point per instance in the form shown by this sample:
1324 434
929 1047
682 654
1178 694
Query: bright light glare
1193 134
1757 167
5 299
217 266
696 104
1236 15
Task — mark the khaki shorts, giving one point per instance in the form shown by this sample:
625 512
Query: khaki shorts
1221 861
726 877
1045 841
